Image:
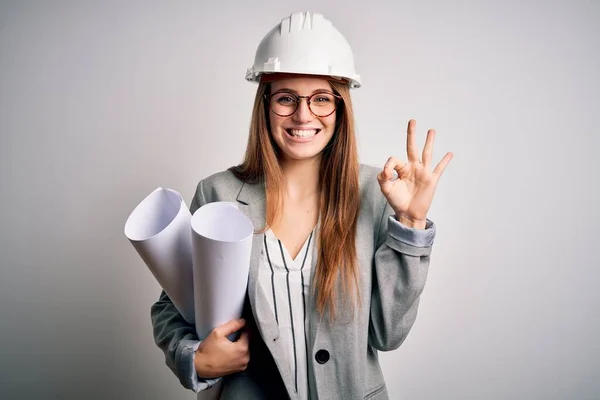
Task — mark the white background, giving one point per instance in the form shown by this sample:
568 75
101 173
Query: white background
101 102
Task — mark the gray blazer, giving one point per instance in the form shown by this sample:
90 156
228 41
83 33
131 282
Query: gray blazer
343 363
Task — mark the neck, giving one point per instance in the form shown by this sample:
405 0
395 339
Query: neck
301 177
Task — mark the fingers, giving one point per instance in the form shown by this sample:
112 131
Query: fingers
244 338
230 327
411 143
413 156
242 346
219 355
387 173
439 169
243 343
428 149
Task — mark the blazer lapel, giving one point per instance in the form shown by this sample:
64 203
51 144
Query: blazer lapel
252 202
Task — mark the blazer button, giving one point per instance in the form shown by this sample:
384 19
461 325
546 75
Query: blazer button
322 356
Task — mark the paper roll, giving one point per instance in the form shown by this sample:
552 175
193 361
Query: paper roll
159 230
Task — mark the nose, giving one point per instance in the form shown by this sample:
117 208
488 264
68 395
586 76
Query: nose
303 113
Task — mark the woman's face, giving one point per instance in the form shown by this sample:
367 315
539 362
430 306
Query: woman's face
301 135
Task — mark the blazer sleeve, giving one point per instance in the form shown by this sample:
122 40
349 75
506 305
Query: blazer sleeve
401 263
175 336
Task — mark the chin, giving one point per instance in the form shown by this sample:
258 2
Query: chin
301 156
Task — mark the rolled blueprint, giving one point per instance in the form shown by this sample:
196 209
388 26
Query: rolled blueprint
201 261
222 243
159 230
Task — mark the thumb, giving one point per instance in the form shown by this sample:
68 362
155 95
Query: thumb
230 327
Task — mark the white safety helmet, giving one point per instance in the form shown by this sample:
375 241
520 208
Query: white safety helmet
305 43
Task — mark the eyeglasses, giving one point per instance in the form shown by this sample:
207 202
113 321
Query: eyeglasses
320 104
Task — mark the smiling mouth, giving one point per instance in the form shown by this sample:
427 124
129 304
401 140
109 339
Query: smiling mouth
302 133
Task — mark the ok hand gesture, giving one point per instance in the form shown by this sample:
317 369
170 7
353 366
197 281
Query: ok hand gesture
410 195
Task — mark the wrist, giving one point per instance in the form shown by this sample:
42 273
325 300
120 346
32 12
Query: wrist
199 366
411 222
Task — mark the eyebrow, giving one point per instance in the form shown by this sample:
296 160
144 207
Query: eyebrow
295 92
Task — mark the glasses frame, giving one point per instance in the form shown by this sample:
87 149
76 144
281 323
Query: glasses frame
337 98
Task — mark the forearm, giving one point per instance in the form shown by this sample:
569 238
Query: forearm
178 341
399 280
401 263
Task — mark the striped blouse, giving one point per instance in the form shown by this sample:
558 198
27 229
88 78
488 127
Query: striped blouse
286 282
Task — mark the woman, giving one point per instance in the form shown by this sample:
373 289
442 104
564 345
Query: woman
342 253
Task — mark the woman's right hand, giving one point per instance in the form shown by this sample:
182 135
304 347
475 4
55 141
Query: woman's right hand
218 356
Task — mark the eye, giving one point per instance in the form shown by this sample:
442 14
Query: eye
285 99
322 98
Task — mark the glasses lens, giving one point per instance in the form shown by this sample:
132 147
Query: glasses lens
284 104
321 104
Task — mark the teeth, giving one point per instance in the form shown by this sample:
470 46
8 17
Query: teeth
303 133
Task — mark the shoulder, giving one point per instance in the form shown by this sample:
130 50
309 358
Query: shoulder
367 173
219 186
372 200
221 178
369 185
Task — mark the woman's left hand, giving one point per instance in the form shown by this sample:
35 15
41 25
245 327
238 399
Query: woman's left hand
410 195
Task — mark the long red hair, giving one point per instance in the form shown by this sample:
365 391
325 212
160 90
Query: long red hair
339 199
